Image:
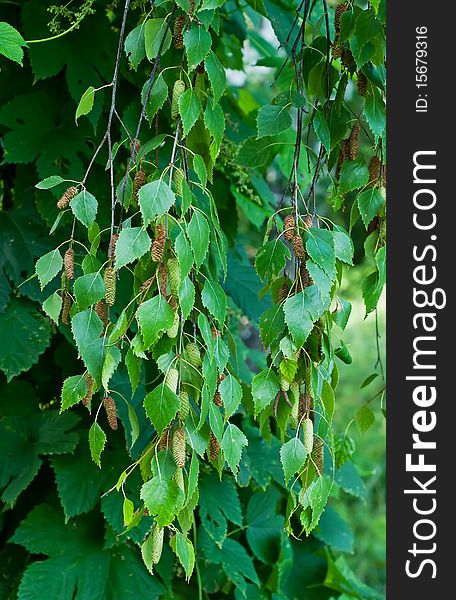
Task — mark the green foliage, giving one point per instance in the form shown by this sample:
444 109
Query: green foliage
172 415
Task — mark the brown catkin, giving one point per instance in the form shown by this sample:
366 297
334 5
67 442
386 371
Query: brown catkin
304 278
353 142
68 263
298 247
110 285
200 68
101 311
88 396
374 169
178 38
111 412
163 281
138 181
289 224
156 544
178 447
305 405
340 9
283 293
67 197
215 333
217 399
347 58
178 90
318 455
192 9
158 246
112 245
343 155
214 447
66 306
337 49
193 354
135 147
362 84
184 405
307 222
163 441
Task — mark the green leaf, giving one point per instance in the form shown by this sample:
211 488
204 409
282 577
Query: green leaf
110 364
297 317
200 169
328 400
364 419
370 202
52 306
375 112
293 457
48 266
216 74
184 253
155 199
85 103
219 501
73 391
231 392
320 246
186 297
342 313
189 109
264 525
232 445
135 46
154 316
185 553
154 30
214 120
198 233
197 42
214 299
353 175
343 245
49 182
255 152
158 95
271 259
89 289
11 43
163 498
87 328
272 324
84 207
322 131
272 119
131 245
26 334
334 531
265 386
161 406
97 441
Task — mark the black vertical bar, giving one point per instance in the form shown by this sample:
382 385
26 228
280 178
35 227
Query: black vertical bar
420 119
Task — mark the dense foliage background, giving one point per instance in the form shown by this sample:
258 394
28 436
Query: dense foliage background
245 508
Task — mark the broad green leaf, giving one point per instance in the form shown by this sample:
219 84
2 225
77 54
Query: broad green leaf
322 131
110 364
271 259
364 419
265 386
154 316
343 245
48 266
184 253
49 182
264 525
320 247
87 327
154 32
73 391
161 406
272 324
232 445
89 289
186 297
328 400
219 502
163 498
342 313
11 43
84 207
298 318
52 306
131 245
375 112
135 46
272 119
198 234
189 109
155 199
185 553
353 175
216 73
370 202
214 120
200 169
97 441
231 392
255 152
293 457
197 42
214 299
85 103
120 328
158 95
